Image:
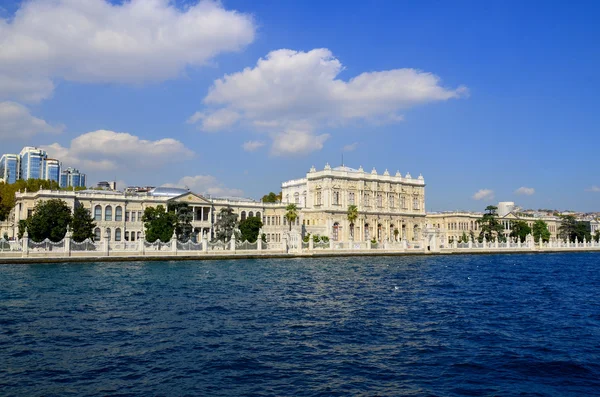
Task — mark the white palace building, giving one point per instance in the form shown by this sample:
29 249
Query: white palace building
390 207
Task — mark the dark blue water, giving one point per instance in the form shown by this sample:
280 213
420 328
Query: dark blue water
526 325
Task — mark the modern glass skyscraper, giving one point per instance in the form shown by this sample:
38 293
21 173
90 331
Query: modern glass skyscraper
52 170
72 177
33 164
9 167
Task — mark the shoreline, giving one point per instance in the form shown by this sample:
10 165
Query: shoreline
13 260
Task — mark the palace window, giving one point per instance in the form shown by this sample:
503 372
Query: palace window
108 213
404 202
415 203
336 198
318 199
297 198
243 218
367 199
118 214
97 234
98 214
367 235
379 200
336 228
117 234
351 198
126 216
392 200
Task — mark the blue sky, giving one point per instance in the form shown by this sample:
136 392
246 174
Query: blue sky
482 98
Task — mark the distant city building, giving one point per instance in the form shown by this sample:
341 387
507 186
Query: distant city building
52 170
9 168
71 177
33 163
505 208
107 185
138 189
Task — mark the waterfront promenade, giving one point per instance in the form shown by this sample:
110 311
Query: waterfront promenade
67 250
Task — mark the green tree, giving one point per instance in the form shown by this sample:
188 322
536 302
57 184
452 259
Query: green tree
50 220
269 198
540 230
570 229
249 229
291 214
159 223
597 236
184 216
8 190
225 224
489 225
83 224
520 229
464 238
352 216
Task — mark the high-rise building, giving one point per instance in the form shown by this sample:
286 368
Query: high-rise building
71 177
33 164
52 170
9 167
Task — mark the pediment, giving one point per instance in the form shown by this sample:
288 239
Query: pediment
191 198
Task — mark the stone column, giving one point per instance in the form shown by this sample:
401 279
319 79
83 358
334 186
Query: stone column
174 242
68 238
284 242
484 242
25 242
141 240
106 242
232 242
204 241
496 243
311 243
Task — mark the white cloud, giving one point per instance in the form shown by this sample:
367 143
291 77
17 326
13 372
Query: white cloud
483 194
297 142
108 150
527 191
593 189
350 148
251 146
95 41
206 185
16 122
290 91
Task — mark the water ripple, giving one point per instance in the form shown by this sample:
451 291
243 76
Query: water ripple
526 325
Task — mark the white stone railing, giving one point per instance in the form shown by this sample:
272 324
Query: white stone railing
67 247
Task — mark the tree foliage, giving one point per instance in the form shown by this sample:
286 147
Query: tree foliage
570 229
520 229
540 230
291 214
249 229
50 220
271 198
489 225
184 216
159 223
8 190
464 238
225 224
352 216
83 224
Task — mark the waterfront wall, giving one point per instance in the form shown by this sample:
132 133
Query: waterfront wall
291 245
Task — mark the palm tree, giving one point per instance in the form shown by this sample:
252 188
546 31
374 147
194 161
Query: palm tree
352 215
291 214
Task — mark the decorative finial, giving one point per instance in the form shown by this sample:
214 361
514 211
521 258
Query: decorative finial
374 171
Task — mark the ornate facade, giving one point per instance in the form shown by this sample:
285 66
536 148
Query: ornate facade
390 207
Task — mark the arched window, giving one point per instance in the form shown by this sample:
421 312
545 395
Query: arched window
391 235
97 213
108 213
139 235
108 233
379 232
258 215
304 199
117 234
297 198
367 234
132 234
336 229
118 214
97 236
250 214
243 217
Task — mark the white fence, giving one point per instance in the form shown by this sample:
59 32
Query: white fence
68 247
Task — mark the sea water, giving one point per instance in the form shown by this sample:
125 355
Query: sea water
507 325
